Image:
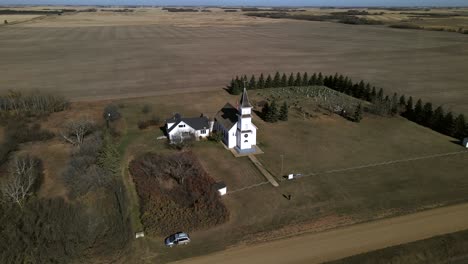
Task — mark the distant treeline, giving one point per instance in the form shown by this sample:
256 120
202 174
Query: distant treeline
400 8
230 10
413 26
423 114
170 9
341 17
436 15
117 10
275 9
33 12
354 12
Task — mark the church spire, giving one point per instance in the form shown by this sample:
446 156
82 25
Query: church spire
244 102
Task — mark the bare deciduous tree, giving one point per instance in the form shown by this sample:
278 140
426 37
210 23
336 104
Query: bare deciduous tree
75 131
23 174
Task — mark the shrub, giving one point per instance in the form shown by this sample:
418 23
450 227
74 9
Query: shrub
111 113
146 109
82 174
34 104
215 136
176 194
154 121
17 131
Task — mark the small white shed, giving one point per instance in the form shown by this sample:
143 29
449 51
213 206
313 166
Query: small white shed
221 188
465 142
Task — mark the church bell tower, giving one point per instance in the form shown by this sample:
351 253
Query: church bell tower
246 130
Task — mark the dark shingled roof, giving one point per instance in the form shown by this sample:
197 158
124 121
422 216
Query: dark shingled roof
196 123
244 102
227 116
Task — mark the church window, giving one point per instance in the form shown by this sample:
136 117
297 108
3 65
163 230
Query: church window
246 135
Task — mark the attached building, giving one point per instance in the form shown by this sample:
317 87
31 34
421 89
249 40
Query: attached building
234 123
179 128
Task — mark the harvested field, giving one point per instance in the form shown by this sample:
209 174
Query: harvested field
96 62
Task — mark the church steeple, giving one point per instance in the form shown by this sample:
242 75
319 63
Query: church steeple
244 101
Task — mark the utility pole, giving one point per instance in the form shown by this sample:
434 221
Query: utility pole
282 162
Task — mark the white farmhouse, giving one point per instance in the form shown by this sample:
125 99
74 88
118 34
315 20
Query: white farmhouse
179 128
234 123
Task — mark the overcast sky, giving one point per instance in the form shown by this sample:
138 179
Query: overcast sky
249 2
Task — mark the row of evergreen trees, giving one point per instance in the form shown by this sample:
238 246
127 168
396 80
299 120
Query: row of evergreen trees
270 112
336 82
438 120
278 80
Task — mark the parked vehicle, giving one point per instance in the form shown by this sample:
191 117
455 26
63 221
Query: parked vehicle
179 238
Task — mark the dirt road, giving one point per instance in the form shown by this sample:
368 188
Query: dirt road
347 241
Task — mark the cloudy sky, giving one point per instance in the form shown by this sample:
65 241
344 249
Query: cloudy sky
250 2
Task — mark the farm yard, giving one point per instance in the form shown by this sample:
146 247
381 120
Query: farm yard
340 193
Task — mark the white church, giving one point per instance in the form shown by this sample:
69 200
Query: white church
234 123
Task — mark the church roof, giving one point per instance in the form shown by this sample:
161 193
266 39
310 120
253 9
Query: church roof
227 116
244 101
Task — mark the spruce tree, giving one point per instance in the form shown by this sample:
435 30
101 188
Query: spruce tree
273 112
313 79
320 79
380 95
340 83
305 79
284 80
277 80
298 81
394 105
367 93
327 81
291 80
373 94
231 86
266 112
268 82
236 89
409 109
261 82
402 101
437 120
361 89
358 113
333 81
283 115
460 127
253 83
418 112
448 124
427 114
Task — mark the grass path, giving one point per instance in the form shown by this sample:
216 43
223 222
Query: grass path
134 206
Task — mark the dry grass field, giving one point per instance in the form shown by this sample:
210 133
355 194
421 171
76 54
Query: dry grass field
93 56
